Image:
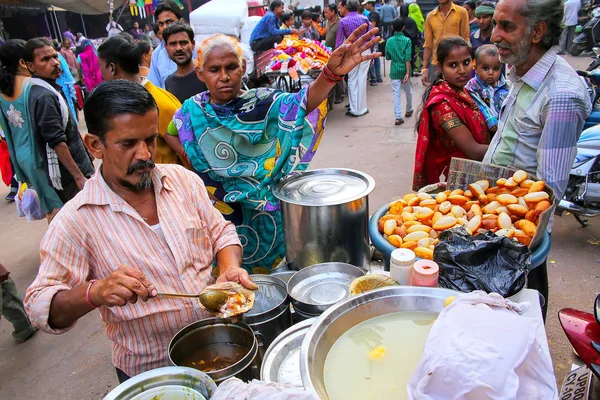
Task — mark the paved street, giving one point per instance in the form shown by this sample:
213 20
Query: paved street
77 365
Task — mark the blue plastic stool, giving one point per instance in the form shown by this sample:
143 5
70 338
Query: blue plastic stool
538 255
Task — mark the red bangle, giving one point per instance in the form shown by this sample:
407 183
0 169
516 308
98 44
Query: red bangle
87 294
330 76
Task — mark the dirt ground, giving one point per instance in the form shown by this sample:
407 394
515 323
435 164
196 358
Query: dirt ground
77 364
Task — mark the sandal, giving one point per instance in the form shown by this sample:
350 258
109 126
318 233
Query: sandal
409 114
399 121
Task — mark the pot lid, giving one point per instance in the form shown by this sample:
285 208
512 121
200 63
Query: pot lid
324 187
271 293
281 363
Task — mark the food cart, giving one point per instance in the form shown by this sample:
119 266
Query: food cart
313 351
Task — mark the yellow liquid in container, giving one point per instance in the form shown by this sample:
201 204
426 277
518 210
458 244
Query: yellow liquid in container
376 358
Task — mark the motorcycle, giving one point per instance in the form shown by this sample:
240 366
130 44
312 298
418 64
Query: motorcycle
582 195
589 36
583 331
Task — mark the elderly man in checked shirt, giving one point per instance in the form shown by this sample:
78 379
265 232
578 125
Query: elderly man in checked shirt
134 229
543 115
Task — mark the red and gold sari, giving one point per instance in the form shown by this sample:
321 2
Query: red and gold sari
444 109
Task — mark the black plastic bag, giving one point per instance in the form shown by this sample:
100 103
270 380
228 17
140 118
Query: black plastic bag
485 262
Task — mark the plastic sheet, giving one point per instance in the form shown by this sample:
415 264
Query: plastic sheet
485 262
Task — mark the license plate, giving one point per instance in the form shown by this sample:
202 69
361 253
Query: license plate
576 385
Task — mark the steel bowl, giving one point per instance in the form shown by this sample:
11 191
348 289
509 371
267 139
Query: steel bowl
316 288
161 377
344 315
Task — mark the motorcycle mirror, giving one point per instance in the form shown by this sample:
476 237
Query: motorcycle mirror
596 51
597 309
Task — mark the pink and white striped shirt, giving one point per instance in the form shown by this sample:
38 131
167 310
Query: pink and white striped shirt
97 232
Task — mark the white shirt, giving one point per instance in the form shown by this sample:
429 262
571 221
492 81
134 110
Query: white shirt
571 10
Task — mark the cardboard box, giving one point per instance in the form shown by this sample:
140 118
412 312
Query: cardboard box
463 172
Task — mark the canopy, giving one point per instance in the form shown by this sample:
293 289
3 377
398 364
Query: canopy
76 6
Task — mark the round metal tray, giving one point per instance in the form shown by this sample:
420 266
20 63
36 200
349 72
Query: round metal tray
281 363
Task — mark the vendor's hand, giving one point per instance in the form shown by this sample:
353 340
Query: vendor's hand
3 273
125 285
350 53
294 31
238 275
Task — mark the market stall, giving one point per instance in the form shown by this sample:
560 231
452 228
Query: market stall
295 63
412 329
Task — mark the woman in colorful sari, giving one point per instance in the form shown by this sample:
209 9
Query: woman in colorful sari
90 69
16 122
450 123
242 142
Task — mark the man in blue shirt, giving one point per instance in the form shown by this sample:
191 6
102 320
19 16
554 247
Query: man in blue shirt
267 32
161 65
388 14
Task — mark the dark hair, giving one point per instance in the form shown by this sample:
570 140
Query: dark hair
122 50
485 50
110 99
471 4
274 4
445 46
144 48
155 28
332 7
167 5
11 52
177 28
285 16
32 45
352 5
306 14
398 25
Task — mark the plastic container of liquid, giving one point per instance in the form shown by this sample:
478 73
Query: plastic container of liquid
425 273
401 265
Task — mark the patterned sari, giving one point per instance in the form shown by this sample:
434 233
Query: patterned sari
241 149
444 109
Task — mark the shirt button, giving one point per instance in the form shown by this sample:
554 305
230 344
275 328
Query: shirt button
182 276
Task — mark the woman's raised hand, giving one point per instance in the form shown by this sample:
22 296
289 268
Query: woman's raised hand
350 53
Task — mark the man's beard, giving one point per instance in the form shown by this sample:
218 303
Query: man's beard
145 181
183 63
519 54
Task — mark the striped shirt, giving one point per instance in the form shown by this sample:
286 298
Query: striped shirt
349 24
541 120
97 232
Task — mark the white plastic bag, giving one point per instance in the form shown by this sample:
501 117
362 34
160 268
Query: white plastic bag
235 389
481 348
219 16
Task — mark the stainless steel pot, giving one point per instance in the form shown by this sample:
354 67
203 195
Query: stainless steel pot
314 289
326 216
212 331
270 315
346 314
161 377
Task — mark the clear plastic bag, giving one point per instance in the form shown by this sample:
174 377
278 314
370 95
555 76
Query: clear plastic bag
30 204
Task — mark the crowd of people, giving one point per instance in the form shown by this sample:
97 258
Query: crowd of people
188 158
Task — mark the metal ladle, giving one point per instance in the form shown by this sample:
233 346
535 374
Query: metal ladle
212 300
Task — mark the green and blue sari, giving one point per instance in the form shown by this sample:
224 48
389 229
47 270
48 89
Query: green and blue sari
240 149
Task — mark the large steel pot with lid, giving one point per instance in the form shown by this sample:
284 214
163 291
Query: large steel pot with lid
326 216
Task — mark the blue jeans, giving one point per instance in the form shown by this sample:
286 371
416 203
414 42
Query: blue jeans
397 87
375 71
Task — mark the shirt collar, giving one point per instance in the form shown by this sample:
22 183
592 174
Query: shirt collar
536 74
453 7
398 34
97 192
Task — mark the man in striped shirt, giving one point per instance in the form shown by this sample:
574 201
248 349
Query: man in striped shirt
543 115
135 229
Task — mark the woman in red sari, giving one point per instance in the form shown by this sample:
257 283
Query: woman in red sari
450 124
